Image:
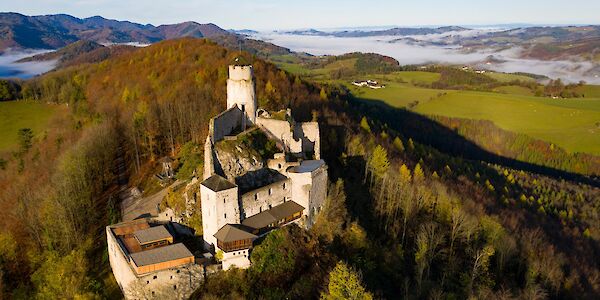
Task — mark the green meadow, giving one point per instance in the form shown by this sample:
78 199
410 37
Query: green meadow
573 124
15 115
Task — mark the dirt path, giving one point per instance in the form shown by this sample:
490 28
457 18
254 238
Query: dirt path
132 208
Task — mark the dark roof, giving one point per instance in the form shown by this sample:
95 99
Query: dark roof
159 255
152 234
263 219
217 183
234 232
307 166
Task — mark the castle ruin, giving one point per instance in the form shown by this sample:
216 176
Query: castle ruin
243 196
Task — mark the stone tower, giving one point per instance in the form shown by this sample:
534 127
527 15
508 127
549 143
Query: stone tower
219 200
240 92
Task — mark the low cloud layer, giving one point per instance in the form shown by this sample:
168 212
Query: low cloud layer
10 68
407 52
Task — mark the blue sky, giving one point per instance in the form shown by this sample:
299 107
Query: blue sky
284 14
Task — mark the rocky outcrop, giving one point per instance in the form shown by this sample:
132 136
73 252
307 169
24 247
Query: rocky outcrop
236 159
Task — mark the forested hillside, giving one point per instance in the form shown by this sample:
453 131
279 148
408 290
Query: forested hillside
408 215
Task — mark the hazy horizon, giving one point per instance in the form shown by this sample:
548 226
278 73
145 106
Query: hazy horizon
272 14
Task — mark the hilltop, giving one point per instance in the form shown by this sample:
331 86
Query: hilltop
406 205
56 31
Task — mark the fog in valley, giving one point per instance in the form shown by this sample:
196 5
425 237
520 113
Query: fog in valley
10 68
424 49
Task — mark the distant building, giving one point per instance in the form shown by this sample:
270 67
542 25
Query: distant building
290 188
368 83
148 262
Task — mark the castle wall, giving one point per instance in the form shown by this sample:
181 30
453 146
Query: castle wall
264 198
118 263
304 137
225 123
209 164
309 189
318 194
218 209
177 283
281 131
310 135
239 259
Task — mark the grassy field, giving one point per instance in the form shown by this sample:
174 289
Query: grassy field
15 115
505 77
571 124
396 94
514 89
590 91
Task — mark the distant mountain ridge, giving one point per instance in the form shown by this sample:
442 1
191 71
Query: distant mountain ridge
56 31
400 31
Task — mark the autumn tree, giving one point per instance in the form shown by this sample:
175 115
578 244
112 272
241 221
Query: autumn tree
345 283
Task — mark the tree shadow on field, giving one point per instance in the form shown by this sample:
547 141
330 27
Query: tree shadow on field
429 132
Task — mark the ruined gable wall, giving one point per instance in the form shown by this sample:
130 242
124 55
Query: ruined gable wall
224 123
308 133
253 201
281 131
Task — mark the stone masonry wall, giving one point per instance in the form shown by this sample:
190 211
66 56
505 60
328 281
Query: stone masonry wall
264 198
218 209
118 263
225 123
309 134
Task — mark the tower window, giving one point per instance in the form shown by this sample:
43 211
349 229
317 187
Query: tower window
256 196
270 191
225 216
284 185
